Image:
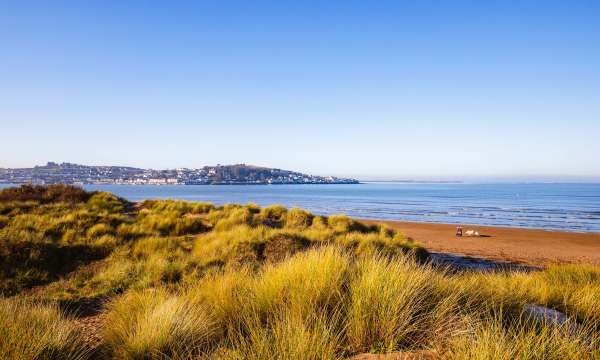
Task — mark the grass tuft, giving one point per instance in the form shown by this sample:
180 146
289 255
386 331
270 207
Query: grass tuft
31 330
153 323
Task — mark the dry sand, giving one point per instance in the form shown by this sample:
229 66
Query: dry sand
527 246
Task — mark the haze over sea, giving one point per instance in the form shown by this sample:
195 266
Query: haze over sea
568 207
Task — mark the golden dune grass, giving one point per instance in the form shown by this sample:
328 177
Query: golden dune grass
194 281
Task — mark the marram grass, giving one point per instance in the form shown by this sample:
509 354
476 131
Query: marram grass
30 330
182 280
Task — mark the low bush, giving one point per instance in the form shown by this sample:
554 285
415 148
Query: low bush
343 224
298 218
45 194
273 216
104 201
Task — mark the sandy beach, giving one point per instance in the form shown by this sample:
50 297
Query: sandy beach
526 246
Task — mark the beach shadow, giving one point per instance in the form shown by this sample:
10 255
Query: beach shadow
474 236
460 263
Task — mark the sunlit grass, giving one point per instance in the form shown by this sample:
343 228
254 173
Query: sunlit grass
153 324
521 338
191 281
34 331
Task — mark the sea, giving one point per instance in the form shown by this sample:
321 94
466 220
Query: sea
550 206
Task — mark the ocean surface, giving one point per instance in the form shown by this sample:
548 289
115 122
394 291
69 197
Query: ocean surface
568 207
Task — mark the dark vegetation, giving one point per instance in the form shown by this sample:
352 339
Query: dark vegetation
46 232
45 194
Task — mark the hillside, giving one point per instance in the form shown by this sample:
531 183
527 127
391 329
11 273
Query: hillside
92 276
68 173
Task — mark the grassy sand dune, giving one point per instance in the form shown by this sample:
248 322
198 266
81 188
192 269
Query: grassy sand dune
179 280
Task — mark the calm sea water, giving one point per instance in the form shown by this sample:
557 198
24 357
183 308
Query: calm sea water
572 207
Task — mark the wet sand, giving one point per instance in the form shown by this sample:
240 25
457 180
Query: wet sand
526 246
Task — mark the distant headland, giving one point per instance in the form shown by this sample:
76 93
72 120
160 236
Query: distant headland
239 174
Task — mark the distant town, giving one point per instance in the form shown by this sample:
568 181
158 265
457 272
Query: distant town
240 174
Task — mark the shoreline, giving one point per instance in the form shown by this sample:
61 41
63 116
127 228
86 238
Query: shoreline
473 225
512 244
184 184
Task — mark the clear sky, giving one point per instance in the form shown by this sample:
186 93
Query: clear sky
398 89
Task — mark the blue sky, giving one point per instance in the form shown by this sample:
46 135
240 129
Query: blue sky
368 89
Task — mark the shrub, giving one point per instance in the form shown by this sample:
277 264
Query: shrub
201 208
381 243
107 202
280 245
273 216
343 224
189 225
45 194
298 218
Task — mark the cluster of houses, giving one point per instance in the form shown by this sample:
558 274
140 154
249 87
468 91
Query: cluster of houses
69 173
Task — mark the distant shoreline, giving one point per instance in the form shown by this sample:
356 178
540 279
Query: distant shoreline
413 181
207 184
237 174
